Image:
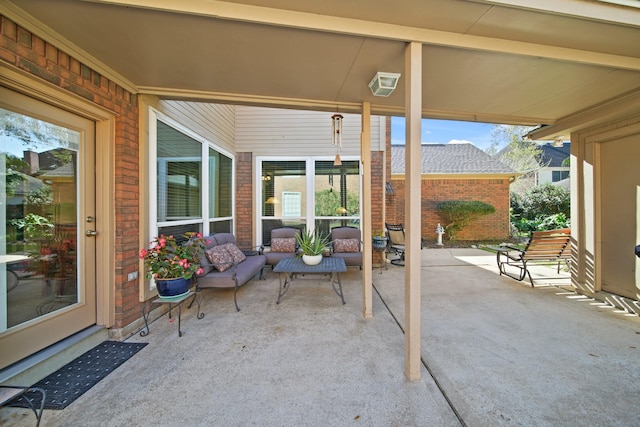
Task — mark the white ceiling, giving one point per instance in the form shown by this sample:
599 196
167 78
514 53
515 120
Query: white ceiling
518 61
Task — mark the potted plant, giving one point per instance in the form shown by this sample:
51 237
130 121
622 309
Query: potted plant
312 246
172 264
379 241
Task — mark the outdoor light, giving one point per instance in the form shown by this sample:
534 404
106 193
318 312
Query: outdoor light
336 136
383 84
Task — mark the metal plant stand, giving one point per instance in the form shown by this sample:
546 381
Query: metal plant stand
195 297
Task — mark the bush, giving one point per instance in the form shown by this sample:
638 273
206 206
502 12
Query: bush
542 201
545 207
460 213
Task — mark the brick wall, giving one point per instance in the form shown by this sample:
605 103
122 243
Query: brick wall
244 199
433 191
28 52
377 195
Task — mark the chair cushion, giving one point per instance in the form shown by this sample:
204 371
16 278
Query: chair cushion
396 237
346 245
220 257
283 244
236 254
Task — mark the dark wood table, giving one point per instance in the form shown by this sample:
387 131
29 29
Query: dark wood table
289 267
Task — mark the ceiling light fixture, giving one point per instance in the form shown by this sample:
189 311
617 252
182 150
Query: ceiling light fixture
383 84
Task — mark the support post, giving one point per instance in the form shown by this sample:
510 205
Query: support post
413 164
367 257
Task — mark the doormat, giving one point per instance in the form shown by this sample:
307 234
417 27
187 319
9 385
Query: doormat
76 377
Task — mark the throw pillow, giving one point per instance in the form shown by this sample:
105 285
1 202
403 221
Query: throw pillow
281 244
346 245
236 254
220 257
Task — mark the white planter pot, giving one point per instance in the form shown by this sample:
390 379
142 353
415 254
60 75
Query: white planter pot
312 259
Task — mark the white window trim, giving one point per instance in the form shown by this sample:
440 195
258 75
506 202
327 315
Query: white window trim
152 202
310 162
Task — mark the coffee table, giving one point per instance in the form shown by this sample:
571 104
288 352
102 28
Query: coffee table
289 267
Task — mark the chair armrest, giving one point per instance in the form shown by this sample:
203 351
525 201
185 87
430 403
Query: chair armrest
252 251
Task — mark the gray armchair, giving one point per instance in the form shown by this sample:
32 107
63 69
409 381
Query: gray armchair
346 243
282 245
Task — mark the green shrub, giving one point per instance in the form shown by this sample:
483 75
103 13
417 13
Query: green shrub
545 207
542 201
460 213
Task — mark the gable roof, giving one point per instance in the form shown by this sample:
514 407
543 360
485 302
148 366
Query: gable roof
450 159
552 157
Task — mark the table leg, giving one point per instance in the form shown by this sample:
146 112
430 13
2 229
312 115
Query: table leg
333 283
284 287
179 317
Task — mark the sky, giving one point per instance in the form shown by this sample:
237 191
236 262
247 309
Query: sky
445 131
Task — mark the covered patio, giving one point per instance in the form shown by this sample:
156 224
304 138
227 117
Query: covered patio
494 352
570 67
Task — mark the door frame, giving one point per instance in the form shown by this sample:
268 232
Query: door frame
24 83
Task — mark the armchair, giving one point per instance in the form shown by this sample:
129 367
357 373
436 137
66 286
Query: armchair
346 243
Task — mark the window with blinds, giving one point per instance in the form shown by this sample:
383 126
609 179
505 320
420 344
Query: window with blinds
184 201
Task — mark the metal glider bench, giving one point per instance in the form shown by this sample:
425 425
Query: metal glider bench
552 245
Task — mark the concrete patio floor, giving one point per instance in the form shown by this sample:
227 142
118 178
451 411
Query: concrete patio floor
496 352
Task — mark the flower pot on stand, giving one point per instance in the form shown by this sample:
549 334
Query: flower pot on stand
312 259
379 243
173 288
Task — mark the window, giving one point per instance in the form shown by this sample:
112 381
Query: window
298 192
559 175
193 182
336 195
179 180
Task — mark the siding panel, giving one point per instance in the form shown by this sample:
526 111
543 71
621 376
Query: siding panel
271 131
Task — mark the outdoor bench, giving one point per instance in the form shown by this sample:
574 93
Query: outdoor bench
231 266
551 245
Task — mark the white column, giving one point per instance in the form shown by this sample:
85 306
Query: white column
367 261
412 294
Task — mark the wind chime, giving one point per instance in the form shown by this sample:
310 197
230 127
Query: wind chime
336 136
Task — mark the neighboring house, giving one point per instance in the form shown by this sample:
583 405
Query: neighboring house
554 168
454 172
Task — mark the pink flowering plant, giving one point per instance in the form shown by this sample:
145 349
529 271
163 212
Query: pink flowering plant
168 259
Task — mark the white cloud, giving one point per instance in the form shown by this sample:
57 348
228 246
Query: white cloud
459 141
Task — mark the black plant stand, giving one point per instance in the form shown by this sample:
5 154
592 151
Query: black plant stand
177 301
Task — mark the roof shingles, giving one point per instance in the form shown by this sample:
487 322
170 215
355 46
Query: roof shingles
450 159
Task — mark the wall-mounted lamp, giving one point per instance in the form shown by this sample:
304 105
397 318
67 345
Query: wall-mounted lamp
558 141
272 201
383 84
336 136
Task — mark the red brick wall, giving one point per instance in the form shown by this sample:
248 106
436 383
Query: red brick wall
244 199
377 194
433 191
30 53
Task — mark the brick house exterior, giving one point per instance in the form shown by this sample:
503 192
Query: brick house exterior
31 54
453 172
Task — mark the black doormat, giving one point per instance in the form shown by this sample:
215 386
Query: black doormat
73 379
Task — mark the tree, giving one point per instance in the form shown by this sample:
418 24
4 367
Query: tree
519 154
